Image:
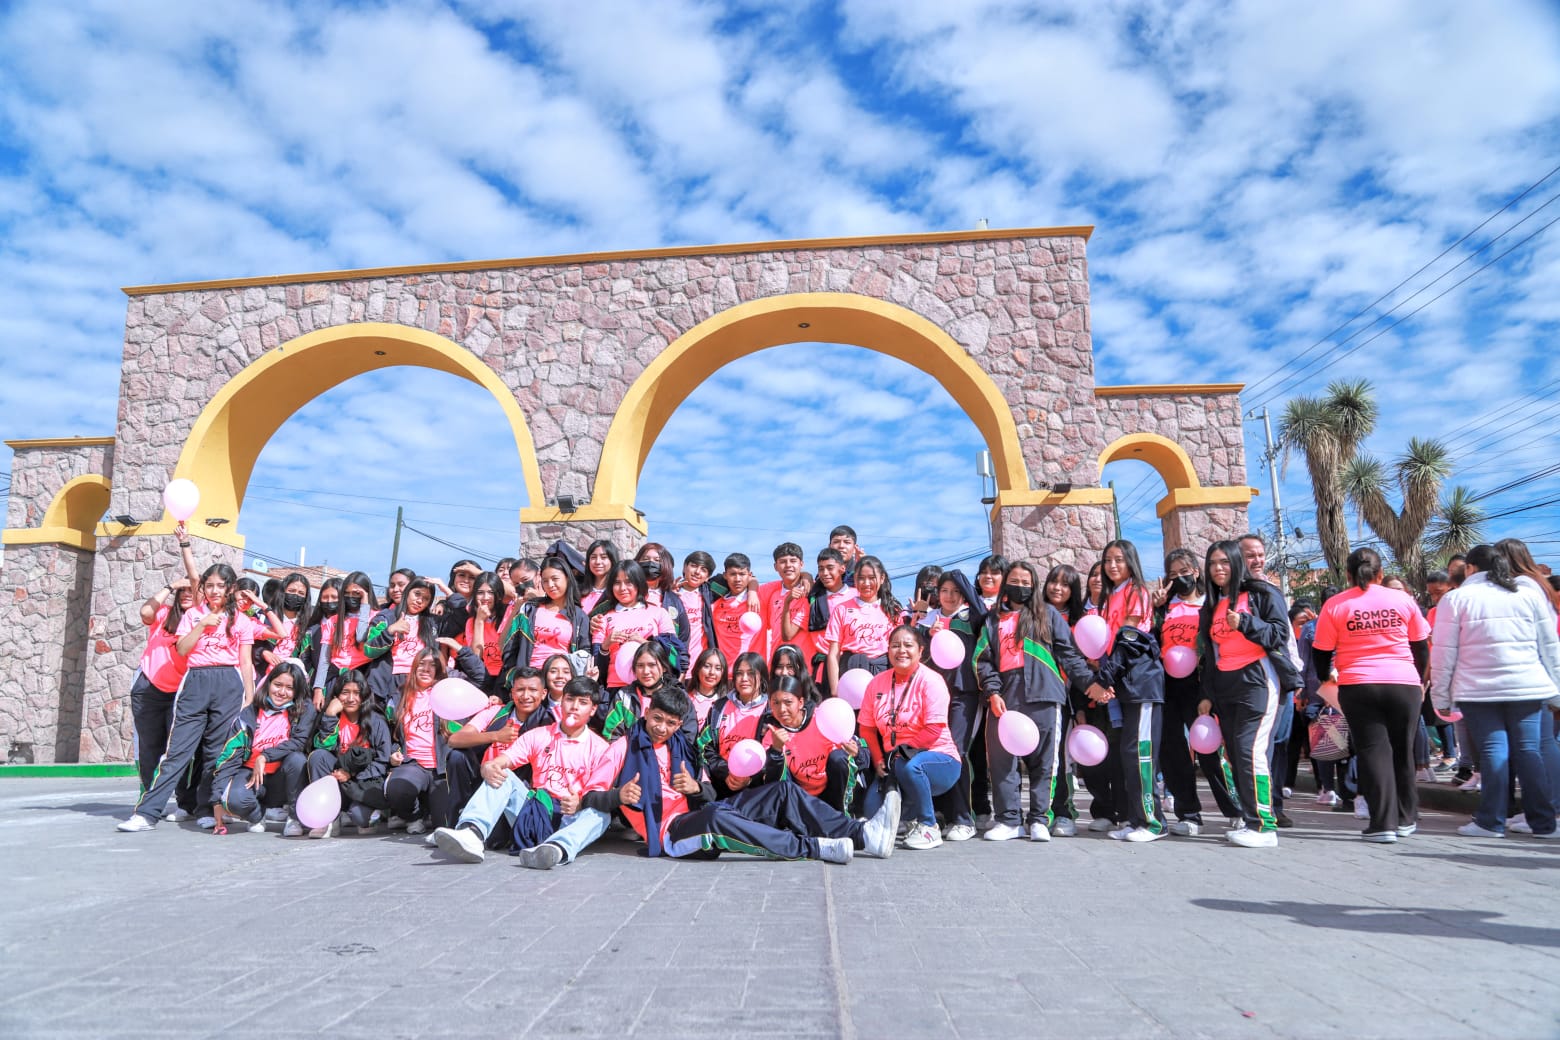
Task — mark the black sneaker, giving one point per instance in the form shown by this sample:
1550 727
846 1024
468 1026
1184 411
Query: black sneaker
1462 776
1347 805
1282 819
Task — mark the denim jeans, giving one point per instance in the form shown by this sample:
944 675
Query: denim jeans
1507 735
488 803
928 773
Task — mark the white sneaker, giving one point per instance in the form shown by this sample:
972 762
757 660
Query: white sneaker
136 824
1247 838
877 835
1380 837
1002 832
1288 793
258 827
1186 828
1424 776
1519 824
179 816
1473 830
1039 832
1361 810
1328 798
460 843
959 832
292 828
395 823
321 832
207 823
417 826
1064 827
1407 829
1234 823
923 836
1121 832
1472 784
830 850
1101 825
428 840
1143 834
547 855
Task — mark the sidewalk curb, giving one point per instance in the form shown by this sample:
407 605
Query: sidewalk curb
65 770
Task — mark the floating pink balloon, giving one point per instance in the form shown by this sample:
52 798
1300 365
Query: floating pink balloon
623 664
835 720
1092 634
750 623
852 687
1087 745
1180 661
456 699
746 758
181 497
319 804
1204 736
947 649
1448 716
1018 733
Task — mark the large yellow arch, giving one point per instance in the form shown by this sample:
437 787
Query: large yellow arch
71 518
230 432
792 318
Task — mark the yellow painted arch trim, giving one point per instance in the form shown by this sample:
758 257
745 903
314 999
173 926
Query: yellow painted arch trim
231 430
72 517
1165 455
825 317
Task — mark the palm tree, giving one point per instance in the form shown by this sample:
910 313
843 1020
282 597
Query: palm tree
1420 471
1457 527
1328 431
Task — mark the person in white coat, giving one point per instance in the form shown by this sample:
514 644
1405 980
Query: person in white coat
1496 658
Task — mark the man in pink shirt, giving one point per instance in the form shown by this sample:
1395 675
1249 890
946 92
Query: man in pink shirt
548 814
783 603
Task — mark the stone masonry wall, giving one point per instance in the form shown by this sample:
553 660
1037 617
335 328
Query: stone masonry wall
43 652
37 474
1207 426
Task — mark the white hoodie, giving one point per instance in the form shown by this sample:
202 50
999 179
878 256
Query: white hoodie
1492 645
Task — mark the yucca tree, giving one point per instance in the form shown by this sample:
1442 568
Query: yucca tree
1419 473
1457 527
1328 431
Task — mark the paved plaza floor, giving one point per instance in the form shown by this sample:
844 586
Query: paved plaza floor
179 933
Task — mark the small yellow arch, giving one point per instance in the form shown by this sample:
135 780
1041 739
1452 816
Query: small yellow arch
220 452
72 517
1165 455
793 318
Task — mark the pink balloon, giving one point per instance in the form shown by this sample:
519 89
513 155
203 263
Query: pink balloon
1092 634
746 758
852 687
1087 745
1204 736
750 623
456 699
1180 661
1018 733
835 720
319 804
947 649
181 497
1448 716
623 663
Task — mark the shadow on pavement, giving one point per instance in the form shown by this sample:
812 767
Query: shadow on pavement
1433 922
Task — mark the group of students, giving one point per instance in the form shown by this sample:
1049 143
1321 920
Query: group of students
619 691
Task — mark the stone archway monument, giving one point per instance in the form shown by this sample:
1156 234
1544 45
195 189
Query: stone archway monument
588 356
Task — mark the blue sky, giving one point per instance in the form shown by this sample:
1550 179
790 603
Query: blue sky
1258 175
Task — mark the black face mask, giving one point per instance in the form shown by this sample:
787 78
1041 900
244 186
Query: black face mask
293 601
1182 584
1018 595
354 603
652 569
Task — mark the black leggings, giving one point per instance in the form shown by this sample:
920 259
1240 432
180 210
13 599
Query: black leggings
1383 719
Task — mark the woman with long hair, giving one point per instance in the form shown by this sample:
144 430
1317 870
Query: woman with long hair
353 743
600 558
857 633
552 623
262 765
161 669
395 637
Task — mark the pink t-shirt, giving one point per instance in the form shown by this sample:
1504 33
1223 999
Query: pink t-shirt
1235 650
738 721
1011 651
348 654
673 803
693 603
589 600
859 628
551 634
1128 602
271 729
407 645
1369 630
701 706
161 662
1180 625
632 625
911 713
771 603
287 645
221 645
807 757
727 617
561 764
417 729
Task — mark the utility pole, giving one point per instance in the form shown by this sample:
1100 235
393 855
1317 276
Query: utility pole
1278 509
1115 508
395 548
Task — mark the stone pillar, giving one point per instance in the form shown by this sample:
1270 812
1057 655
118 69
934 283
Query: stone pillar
125 572
1197 527
43 652
1048 535
536 537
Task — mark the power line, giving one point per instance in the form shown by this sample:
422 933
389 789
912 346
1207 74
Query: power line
1495 414
1367 308
380 498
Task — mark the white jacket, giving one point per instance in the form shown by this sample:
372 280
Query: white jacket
1494 645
